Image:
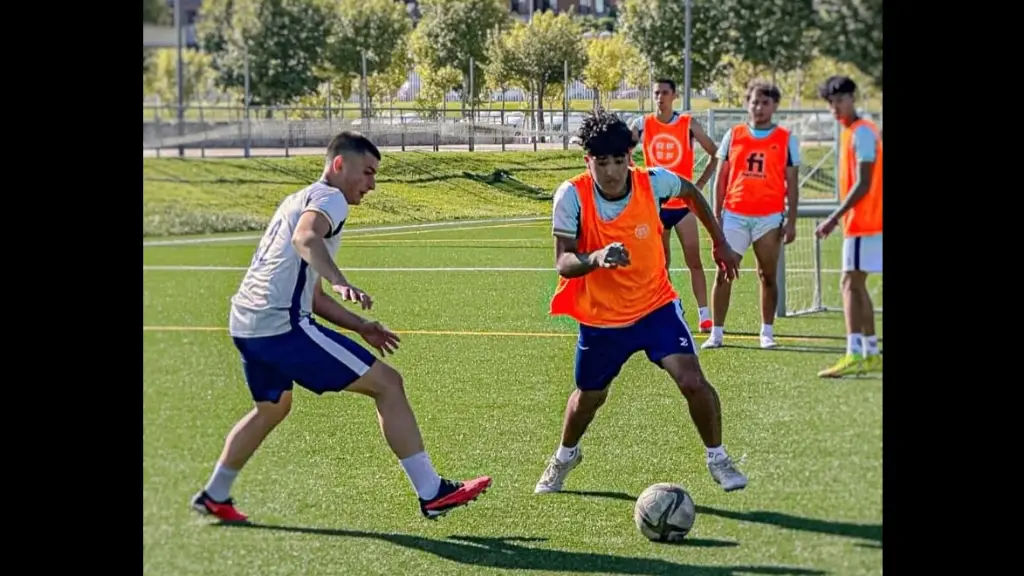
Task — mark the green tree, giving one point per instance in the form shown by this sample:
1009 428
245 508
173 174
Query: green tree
638 76
658 29
153 12
734 74
435 83
383 85
162 79
450 32
607 61
284 39
534 55
771 35
852 33
377 28
803 84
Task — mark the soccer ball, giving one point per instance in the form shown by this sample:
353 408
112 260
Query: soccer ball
664 512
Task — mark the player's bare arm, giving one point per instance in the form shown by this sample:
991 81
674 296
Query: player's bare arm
723 254
331 310
865 170
571 263
636 139
709 147
721 188
308 240
793 202
375 334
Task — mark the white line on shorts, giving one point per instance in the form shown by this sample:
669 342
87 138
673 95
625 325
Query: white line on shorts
217 239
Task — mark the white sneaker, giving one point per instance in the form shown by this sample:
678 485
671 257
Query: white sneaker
554 475
711 342
727 474
768 341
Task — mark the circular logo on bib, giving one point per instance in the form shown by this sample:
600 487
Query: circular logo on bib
666 150
642 231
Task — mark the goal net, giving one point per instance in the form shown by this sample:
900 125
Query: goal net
809 279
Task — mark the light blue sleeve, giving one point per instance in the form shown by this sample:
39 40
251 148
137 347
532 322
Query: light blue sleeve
665 184
794 150
723 147
565 217
637 123
864 144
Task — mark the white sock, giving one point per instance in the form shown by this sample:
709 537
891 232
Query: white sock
219 486
767 330
421 473
717 332
565 454
871 345
716 453
703 314
853 344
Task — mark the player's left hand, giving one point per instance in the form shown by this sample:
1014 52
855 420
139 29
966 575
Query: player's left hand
826 228
376 335
350 293
727 260
789 232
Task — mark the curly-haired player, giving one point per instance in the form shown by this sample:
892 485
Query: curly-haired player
613 280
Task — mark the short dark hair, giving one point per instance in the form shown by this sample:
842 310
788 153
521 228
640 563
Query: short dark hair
605 134
671 83
350 141
837 85
763 88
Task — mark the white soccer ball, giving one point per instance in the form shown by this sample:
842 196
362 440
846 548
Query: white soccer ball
664 512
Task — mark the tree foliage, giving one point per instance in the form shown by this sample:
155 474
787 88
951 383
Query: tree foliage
776 36
153 12
435 83
608 60
377 28
658 29
383 85
162 78
533 56
284 39
450 32
852 33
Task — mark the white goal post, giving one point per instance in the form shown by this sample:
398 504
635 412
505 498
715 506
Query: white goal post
810 269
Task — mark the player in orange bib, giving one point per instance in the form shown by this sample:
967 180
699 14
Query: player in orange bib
613 281
756 202
860 191
666 138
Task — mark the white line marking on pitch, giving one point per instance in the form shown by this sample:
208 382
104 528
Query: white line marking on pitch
411 227
188 268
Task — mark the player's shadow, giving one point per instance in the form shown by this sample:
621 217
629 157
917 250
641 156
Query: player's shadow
507 553
799 348
871 533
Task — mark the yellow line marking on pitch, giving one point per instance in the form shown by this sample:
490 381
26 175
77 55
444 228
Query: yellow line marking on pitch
476 333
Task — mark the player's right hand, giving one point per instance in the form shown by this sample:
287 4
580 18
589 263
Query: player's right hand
350 293
727 260
614 255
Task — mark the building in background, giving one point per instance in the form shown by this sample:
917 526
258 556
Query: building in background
583 7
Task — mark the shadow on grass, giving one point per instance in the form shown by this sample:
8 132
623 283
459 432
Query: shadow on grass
503 181
791 348
872 533
507 554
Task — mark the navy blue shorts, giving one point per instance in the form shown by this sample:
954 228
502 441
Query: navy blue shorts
601 352
316 358
672 216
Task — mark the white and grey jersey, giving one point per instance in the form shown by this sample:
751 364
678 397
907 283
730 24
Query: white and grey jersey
278 287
